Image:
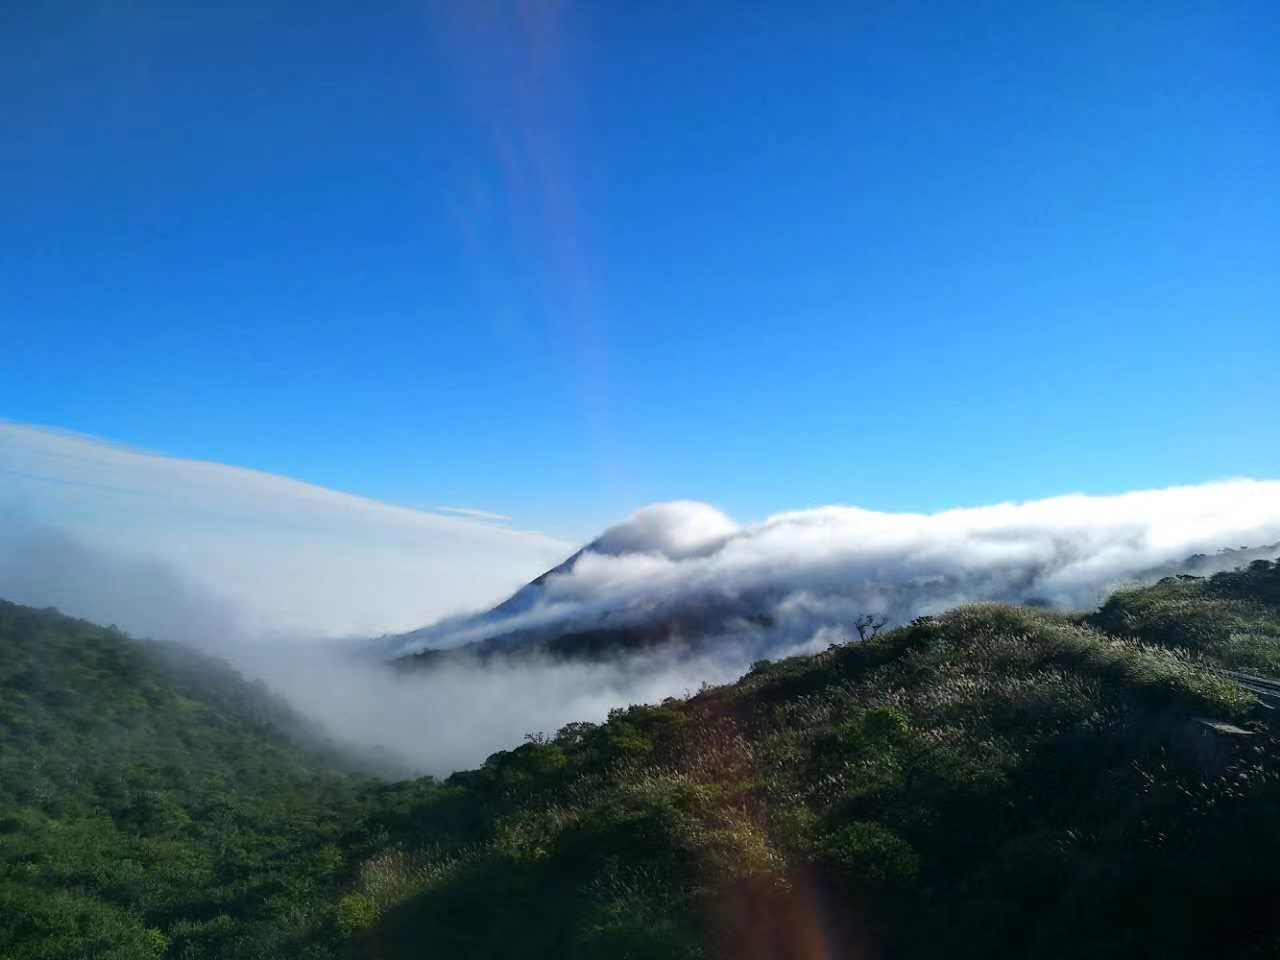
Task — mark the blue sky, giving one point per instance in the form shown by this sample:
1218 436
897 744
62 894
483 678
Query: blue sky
561 260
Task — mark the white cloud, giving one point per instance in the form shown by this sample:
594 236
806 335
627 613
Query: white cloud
676 530
819 567
286 557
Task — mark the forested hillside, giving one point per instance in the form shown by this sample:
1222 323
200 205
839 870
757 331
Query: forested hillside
992 782
149 804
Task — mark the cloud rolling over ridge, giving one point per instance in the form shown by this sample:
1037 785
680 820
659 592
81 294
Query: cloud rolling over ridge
800 570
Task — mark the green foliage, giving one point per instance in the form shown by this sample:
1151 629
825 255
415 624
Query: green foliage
1231 619
869 852
357 912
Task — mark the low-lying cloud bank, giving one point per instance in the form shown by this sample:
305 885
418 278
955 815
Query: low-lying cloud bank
452 717
686 563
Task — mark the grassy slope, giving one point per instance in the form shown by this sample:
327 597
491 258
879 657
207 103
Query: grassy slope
995 781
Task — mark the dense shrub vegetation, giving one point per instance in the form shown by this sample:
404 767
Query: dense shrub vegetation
992 782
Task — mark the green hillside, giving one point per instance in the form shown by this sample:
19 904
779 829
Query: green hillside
992 782
149 806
